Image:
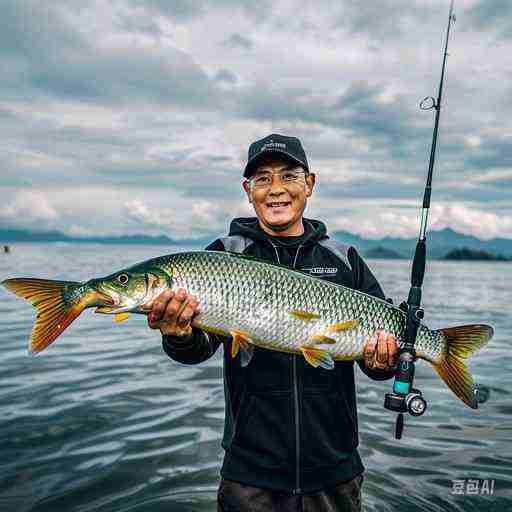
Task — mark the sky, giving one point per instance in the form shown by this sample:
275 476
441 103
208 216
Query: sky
135 116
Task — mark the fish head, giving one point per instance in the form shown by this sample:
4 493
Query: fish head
130 290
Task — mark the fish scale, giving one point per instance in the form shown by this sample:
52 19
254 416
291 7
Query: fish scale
230 286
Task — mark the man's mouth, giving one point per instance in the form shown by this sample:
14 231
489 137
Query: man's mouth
278 204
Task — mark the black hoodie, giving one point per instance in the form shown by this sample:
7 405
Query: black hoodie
288 426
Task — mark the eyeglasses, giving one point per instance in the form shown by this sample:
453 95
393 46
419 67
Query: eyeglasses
289 177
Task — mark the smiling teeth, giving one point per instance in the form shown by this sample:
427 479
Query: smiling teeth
277 204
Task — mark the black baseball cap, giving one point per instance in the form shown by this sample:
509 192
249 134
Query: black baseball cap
281 145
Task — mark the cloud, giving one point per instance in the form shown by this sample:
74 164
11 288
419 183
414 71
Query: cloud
28 209
181 10
227 76
389 19
401 220
491 153
108 103
482 224
200 218
54 55
239 41
362 112
492 16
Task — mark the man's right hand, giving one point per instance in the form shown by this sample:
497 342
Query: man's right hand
173 312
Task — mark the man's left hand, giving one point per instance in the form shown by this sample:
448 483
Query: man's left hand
380 352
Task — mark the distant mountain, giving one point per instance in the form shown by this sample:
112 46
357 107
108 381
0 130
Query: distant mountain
18 235
383 252
439 243
470 254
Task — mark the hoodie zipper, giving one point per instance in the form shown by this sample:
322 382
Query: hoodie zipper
297 489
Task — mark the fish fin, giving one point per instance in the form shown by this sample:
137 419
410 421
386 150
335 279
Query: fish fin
54 314
121 317
461 342
307 316
318 357
343 326
242 340
321 338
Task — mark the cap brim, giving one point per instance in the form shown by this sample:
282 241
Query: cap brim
253 162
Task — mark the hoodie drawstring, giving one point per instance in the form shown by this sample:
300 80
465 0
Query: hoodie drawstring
277 253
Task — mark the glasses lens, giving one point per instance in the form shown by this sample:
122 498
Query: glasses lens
285 177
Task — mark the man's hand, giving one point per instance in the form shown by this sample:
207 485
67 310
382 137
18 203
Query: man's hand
173 313
380 352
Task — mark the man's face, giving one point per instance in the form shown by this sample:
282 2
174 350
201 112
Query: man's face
280 204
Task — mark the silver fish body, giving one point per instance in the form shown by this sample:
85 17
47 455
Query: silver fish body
256 303
259 298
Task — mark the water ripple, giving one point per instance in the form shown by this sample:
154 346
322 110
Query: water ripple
103 420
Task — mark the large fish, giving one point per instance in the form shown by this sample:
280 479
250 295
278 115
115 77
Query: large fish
256 303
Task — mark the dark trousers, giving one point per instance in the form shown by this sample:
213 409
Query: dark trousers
236 497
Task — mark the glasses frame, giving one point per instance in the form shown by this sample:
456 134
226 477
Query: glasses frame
297 169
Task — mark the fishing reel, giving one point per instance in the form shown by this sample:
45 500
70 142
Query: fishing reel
404 398
413 403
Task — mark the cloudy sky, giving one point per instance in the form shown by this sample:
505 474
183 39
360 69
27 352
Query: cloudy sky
134 116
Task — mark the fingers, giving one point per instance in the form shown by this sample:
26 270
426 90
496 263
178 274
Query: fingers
159 306
188 311
392 351
381 356
172 312
381 351
369 351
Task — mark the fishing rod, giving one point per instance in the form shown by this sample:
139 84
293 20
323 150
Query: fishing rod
404 398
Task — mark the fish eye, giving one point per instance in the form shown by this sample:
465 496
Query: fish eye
123 278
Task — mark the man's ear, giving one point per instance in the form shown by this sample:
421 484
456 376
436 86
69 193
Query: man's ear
310 183
247 187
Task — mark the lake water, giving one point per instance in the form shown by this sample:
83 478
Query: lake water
103 420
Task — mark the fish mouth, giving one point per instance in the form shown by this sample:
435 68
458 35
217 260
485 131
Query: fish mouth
114 309
108 304
100 296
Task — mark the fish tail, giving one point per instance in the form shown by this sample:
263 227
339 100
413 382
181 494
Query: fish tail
58 303
461 342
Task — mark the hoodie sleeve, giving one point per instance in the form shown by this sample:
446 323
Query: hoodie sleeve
366 282
201 345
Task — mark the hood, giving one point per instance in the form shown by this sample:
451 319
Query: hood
314 230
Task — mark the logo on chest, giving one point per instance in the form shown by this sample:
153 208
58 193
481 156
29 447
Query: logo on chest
321 271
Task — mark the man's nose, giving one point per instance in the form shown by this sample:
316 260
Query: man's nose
276 187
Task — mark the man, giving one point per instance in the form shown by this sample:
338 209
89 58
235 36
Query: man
290 432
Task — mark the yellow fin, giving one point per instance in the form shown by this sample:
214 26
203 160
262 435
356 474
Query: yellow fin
318 357
242 340
343 326
121 317
461 342
321 338
304 315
